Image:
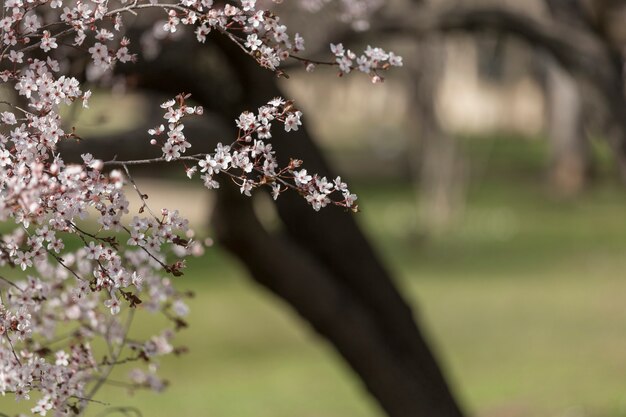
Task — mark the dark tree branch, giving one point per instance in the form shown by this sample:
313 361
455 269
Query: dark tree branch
299 278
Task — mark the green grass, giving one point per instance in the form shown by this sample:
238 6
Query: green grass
523 300
531 321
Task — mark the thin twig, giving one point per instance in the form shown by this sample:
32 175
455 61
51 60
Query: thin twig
11 283
141 195
107 373
13 349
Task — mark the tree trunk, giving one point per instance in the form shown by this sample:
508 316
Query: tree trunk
570 159
334 310
438 167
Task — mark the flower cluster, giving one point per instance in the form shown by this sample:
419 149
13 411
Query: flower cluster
75 264
73 280
176 142
371 62
249 160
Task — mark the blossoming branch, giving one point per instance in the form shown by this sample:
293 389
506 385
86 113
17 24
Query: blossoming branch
76 269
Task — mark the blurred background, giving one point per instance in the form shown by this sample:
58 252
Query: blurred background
489 183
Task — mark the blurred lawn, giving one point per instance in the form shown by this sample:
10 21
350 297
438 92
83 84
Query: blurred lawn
524 302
